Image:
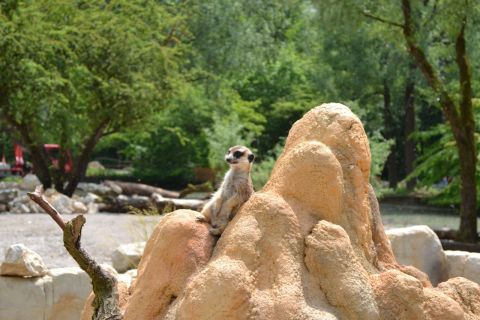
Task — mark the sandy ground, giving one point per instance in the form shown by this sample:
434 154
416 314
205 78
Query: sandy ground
102 234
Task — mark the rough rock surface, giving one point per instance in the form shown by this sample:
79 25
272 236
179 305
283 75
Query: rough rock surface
420 247
127 256
23 262
310 245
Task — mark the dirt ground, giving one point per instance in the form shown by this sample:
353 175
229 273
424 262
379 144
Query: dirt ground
102 234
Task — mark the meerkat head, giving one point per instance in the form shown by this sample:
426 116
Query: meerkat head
239 156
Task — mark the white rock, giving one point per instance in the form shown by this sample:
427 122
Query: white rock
472 267
21 261
456 262
7 195
420 247
91 198
29 182
61 202
70 289
127 256
92 208
464 264
24 298
78 207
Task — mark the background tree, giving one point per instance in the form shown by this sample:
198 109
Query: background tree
444 24
76 72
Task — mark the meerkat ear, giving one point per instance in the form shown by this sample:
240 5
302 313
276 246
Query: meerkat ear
251 157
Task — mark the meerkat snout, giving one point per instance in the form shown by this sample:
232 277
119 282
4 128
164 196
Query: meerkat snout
239 154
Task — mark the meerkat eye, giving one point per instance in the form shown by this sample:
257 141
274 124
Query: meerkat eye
237 154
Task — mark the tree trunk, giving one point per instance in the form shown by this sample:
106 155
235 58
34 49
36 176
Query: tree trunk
409 122
468 207
461 119
81 164
389 133
41 168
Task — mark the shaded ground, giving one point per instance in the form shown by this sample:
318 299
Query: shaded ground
102 234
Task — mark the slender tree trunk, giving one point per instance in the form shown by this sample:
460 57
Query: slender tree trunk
460 118
389 133
468 206
40 162
409 123
80 167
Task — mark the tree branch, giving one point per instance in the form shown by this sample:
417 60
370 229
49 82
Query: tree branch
37 197
465 76
426 67
106 301
391 23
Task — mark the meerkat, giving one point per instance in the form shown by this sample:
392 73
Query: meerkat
234 191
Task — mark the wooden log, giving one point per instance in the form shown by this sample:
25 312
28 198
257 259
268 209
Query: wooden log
124 204
131 188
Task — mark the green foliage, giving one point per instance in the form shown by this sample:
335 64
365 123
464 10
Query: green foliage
439 167
263 166
225 133
173 84
379 149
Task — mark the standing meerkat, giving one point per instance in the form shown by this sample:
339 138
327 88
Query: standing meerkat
234 191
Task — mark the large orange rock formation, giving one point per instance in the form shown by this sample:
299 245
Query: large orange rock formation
310 245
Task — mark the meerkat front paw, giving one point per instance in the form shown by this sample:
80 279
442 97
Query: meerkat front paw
201 218
215 231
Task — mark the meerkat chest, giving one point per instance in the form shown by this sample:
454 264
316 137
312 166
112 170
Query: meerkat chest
236 186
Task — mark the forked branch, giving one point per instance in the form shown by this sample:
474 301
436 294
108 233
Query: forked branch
105 304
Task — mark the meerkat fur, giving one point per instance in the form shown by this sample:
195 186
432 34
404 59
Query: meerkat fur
235 190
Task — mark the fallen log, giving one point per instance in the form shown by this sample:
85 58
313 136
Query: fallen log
124 204
132 188
191 188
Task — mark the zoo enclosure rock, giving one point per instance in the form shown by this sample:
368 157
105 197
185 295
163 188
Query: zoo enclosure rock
310 245
420 247
464 264
21 261
127 256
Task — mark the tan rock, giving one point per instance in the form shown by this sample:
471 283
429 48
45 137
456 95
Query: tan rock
466 293
310 245
167 266
23 262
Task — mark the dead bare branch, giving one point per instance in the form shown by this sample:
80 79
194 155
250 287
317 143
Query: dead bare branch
37 197
105 303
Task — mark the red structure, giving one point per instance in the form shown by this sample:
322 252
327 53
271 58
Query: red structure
19 168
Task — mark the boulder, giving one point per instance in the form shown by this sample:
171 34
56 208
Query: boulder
101 190
70 289
95 165
29 182
7 195
24 299
420 247
464 264
58 296
127 256
23 262
310 245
